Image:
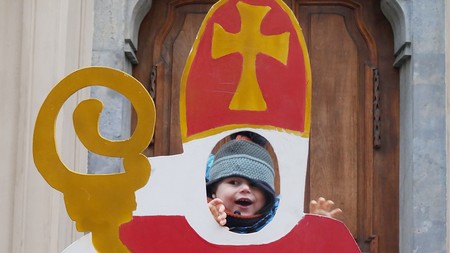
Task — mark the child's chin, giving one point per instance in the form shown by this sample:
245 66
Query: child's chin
244 212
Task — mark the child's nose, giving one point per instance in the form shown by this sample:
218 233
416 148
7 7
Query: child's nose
245 187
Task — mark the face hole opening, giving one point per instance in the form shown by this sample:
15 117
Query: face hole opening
245 187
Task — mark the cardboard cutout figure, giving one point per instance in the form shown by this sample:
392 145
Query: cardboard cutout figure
248 71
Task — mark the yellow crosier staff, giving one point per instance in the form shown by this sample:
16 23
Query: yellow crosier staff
97 203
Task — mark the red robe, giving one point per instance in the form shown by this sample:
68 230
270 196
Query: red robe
173 234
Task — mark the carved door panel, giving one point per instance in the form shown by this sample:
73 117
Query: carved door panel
353 157
166 36
353 153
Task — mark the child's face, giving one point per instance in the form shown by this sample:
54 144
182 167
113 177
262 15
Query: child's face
240 194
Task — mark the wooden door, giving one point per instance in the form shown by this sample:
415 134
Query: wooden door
354 132
354 145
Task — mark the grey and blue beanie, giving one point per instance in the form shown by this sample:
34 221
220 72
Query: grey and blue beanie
245 159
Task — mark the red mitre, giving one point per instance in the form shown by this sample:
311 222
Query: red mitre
246 42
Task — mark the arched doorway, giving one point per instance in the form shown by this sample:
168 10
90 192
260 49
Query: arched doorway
354 142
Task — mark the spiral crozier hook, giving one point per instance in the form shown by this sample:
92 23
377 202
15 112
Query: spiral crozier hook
97 203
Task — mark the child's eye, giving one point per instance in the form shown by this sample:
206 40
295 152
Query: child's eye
235 182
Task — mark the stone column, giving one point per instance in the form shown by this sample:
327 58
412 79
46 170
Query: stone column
116 25
42 42
418 27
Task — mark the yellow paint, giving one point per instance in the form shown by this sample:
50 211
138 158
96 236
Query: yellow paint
187 68
297 27
224 128
249 42
191 57
97 203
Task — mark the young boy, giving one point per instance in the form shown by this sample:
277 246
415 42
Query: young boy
241 187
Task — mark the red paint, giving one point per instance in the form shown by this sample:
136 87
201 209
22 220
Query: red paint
211 83
313 234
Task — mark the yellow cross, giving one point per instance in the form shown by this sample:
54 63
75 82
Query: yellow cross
249 42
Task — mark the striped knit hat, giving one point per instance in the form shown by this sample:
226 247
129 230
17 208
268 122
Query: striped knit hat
248 160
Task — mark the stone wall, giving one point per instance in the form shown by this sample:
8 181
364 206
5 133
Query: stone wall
116 25
420 50
42 41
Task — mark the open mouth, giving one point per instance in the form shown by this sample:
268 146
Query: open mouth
244 202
